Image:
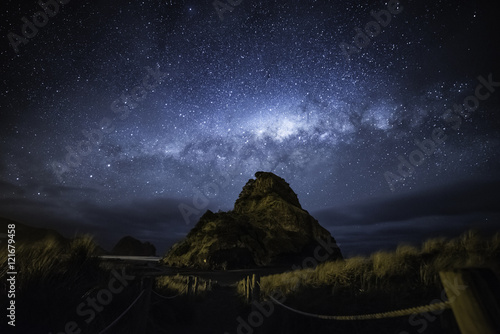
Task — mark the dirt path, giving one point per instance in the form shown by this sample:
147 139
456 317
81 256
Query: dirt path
215 313
218 312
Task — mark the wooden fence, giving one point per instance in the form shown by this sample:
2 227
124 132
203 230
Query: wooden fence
252 288
194 285
477 307
473 296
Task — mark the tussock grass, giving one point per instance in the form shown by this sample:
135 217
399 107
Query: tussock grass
52 277
44 263
394 274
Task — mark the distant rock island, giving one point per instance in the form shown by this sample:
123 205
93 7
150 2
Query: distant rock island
267 227
130 246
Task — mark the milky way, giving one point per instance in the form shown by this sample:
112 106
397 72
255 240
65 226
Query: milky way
114 114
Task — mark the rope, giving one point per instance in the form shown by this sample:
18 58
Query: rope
121 315
164 297
391 314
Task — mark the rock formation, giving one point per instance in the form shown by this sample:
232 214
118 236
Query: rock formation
267 227
132 247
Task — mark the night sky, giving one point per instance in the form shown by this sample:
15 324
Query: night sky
135 117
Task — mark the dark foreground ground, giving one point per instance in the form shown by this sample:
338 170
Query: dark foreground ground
220 310
223 311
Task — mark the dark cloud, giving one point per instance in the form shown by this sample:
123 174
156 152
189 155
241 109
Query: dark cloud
457 199
441 211
10 189
158 220
366 239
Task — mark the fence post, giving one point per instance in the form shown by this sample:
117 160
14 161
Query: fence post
195 286
248 289
255 288
474 295
190 286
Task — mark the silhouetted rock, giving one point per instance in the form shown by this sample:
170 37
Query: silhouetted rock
267 227
129 246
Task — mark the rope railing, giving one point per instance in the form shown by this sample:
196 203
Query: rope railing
170 297
121 315
384 315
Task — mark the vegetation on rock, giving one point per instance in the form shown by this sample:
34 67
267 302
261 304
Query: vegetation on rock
267 227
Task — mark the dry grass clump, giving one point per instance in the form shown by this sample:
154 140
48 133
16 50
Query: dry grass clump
178 285
51 278
406 268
